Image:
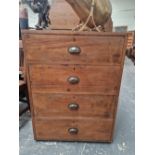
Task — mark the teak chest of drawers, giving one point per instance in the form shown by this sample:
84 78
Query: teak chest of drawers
74 80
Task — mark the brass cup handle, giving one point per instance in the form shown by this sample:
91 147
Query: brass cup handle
73 131
73 106
74 50
73 80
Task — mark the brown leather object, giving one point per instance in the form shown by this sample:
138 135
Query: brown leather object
66 18
102 10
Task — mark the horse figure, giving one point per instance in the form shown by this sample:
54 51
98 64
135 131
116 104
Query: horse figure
99 11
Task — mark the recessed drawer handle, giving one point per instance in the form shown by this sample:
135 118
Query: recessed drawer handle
73 131
74 50
73 80
73 106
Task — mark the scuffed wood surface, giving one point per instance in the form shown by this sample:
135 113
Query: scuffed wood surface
124 132
48 74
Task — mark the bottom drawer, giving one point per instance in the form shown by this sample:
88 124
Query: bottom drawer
74 129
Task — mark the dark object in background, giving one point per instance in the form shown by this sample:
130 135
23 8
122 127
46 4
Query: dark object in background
23 97
121 28
130 53
23 23
20 35
41 7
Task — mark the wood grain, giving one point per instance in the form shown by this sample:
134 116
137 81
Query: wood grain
52 105
54 49
97 77
88 129
99 67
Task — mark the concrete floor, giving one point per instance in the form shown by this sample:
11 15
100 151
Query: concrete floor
124 137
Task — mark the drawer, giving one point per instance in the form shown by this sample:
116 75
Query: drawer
72 78
50 105
57 49
73 129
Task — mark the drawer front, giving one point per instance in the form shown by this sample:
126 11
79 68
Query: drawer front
50 105
70 130
57 49
70 78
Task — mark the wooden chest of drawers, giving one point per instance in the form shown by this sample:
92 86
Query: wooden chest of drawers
74 80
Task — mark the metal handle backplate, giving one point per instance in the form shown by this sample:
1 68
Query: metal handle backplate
73 80
73 131
73 106
74 50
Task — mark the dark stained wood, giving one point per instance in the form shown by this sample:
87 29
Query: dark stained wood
99 67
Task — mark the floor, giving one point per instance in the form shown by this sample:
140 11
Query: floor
124 138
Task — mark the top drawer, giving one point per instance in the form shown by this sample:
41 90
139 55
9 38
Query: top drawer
74 49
